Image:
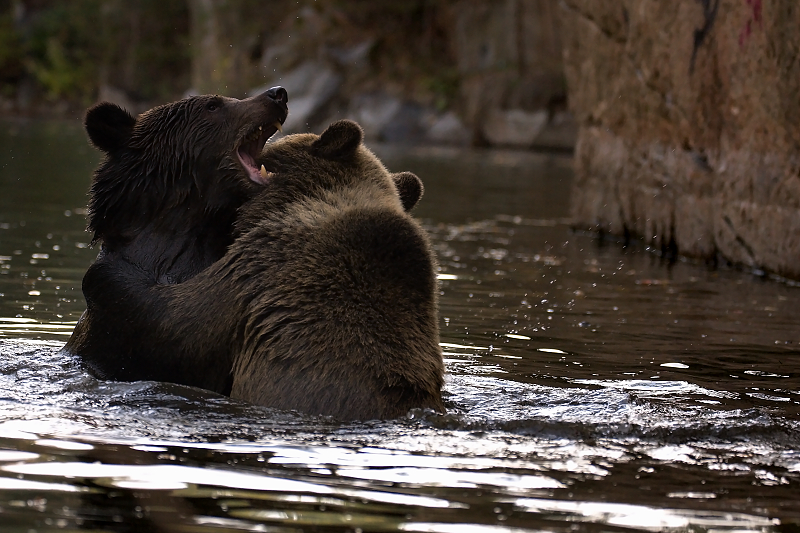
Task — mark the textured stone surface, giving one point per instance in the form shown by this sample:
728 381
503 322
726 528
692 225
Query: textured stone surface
688 125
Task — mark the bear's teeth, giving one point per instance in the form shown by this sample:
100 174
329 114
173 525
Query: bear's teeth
260 128
263 172
278 126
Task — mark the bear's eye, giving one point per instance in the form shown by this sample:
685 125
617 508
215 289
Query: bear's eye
213 105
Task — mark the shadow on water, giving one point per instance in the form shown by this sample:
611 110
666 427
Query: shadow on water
589 388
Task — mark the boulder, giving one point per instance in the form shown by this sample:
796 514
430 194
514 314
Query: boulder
447 128
514 127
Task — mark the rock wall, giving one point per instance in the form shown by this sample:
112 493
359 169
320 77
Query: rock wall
688 130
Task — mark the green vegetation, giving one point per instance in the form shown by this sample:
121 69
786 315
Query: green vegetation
67 50
63 49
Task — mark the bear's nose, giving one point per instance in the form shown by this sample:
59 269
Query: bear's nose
278 94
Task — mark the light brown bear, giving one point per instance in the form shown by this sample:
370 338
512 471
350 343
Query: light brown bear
326 302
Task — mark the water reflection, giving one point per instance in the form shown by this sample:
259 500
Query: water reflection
589 387
640 517
20 327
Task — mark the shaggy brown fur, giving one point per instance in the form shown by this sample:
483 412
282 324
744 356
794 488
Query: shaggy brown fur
162 205
326 302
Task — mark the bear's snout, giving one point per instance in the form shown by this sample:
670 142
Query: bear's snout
278 94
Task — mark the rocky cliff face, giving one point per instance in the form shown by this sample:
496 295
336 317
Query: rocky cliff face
688 125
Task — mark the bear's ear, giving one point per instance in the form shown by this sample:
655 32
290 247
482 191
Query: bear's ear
410 188
109 126
339 140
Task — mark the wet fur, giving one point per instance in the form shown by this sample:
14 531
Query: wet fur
326 302
162 206
346 285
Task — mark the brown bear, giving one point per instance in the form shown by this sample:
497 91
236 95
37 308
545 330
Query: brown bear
162 205
326 302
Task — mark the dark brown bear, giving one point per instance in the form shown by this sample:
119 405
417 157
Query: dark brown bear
162 205
326 302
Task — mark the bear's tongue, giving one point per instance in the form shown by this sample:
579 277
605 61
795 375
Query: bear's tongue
251 149
246 156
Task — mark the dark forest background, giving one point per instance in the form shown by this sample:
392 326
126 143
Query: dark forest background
467 57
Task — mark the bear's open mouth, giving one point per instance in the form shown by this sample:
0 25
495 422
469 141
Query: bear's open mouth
250 148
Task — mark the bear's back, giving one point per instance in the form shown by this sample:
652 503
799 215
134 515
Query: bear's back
349 327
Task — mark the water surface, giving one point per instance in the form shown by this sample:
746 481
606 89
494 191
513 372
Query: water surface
590 387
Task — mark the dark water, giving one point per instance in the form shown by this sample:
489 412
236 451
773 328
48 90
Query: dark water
589 387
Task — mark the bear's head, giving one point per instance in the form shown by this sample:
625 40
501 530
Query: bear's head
307 165
183 165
